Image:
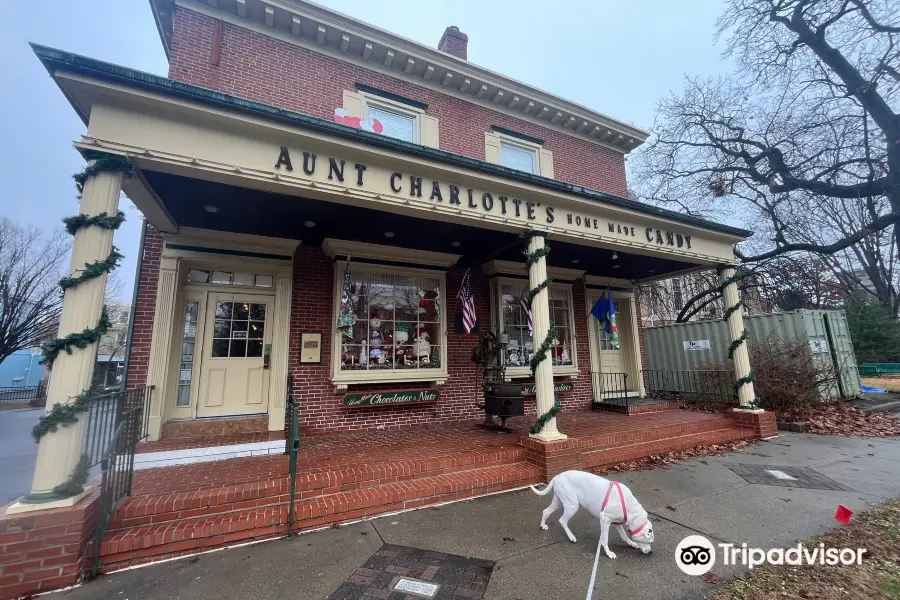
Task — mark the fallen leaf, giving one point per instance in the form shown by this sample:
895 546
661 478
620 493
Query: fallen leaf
508 539
622 575
712 578
672 508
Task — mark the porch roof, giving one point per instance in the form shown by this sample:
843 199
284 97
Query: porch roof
54 60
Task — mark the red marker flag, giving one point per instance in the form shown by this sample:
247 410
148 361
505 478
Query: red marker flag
843 514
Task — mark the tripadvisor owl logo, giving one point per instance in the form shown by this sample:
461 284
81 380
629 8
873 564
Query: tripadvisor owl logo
696 555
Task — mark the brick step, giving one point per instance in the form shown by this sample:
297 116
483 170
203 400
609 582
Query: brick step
145 509
131 545
610 456
653 434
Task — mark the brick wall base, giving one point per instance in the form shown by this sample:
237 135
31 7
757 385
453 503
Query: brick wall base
45 550
762 423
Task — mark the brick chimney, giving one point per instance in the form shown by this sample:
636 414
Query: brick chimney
454 42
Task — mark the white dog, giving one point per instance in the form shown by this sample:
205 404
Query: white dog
610 501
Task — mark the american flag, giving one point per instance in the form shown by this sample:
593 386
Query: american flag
528 315
465 294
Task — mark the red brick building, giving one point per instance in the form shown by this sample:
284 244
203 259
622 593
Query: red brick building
322 199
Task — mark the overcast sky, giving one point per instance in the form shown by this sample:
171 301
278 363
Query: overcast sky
616 56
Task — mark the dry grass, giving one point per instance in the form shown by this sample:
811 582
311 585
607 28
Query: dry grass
891 384
13 405
877 578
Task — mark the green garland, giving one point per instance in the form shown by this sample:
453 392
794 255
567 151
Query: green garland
73 224
736 343
731 309
74 340
92 270
104 163
75 484
64 414
540 354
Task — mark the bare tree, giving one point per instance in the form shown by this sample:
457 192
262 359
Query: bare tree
30 297
801 143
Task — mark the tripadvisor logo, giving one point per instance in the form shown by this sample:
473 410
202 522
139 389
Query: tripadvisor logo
696 555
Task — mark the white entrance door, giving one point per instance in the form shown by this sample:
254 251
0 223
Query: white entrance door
234 376
614 368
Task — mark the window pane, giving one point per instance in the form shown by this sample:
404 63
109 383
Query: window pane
220 348
395 125
238 348
222 329
516 157
264 281
257 328
221 277
223 310
258 312
254 348
244 279
196 276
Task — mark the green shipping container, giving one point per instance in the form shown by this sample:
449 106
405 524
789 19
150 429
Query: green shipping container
691 346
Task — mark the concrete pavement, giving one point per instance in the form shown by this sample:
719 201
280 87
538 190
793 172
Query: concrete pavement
17 451
700 496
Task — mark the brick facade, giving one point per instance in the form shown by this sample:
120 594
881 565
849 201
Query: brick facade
144 308
265 69
322 409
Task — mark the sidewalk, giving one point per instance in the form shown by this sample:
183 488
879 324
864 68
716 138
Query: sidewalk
702 496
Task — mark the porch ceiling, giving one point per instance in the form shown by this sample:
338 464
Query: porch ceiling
264 213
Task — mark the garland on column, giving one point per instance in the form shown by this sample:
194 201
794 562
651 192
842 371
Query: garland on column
68 413
541 352
735 344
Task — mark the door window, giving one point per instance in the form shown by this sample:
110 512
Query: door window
239 330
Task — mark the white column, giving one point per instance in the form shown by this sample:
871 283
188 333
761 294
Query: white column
543 375
281 330
61 450
160 362
741 356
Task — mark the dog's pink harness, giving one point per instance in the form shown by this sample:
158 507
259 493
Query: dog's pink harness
624 510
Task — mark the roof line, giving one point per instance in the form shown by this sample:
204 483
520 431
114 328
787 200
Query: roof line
54 59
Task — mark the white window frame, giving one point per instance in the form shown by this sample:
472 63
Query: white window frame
404 110
534 149
345 378
496 288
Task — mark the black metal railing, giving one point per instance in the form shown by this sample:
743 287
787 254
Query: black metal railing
117 421
293 439
707 389
33 395
611 391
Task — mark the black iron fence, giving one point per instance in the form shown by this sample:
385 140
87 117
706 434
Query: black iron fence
35 395
293 442
705 388
115 424
611 391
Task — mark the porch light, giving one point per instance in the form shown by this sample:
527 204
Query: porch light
309 224
615 255
211 208
388 234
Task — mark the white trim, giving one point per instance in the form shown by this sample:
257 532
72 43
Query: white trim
508 267
208 238
187 456
518 144
334 248
398 108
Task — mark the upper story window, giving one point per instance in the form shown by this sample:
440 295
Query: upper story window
518 157
396 124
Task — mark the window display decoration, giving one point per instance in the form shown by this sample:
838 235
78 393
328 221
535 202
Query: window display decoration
389 322
541 355
604 310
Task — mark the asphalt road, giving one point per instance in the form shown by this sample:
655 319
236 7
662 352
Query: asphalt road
17 452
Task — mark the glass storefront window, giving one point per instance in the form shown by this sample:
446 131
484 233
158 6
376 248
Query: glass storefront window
399 322
188 346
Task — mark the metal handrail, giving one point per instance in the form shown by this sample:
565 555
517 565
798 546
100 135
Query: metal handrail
612 392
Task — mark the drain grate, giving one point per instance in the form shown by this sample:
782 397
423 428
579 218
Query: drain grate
794 477
401 572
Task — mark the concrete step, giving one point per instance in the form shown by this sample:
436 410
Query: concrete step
273 486
136 544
